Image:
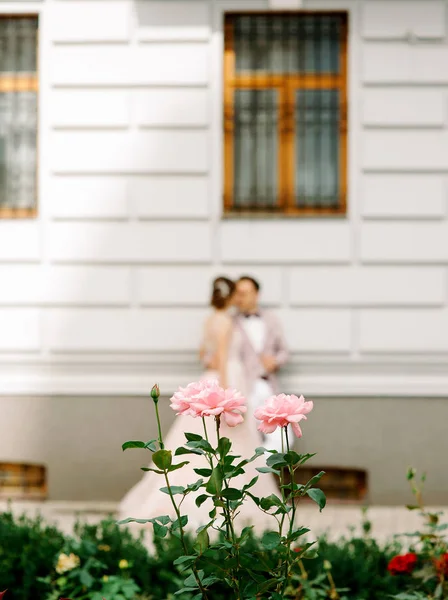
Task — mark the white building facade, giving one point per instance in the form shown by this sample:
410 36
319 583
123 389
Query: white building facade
103 290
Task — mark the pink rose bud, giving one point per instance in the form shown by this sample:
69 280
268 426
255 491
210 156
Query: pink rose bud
155 393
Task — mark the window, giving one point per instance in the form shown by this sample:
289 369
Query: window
18 116
285 113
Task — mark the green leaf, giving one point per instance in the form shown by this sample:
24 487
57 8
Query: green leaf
201 499
185 590
202 541
292 485
164 519
203 472
318 496
231 494
306 457
146 469
202 444
178 466
224 446
193 437
190 581
410 474
297 533
184 562
314 480
183 450
254 498
178 523
151 445
214 484
131 520
271 540
260 451
175 489
246 533
210 580
251 483
267 470
193 487
86 579
276 460
292 458
162 459
159 530
270 501
128 445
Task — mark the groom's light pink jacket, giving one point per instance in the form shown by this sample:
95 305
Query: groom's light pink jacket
275 345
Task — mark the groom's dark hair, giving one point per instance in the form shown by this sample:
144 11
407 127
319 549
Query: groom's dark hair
253 281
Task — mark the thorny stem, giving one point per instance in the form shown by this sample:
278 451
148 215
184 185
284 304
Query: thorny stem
230 531
182 535
176 509
293 514
159 427
209 458
291 472
282 488
205 428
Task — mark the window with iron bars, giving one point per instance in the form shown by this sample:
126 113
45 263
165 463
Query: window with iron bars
18 116
285 113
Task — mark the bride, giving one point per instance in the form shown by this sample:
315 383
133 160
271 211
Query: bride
220 349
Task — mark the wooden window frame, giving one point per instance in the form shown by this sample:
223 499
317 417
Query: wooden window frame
23 83
286 84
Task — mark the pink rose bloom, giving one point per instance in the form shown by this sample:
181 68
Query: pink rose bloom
283 410
207 399
181 400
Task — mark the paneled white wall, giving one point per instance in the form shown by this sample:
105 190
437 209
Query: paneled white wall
116 268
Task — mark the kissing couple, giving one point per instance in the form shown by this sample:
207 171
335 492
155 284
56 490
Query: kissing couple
242 347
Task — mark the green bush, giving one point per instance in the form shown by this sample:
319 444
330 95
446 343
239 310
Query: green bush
358 564
29 552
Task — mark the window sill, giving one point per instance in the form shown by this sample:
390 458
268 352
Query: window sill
18 213
312 214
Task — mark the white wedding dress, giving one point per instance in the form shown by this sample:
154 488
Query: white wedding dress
145 501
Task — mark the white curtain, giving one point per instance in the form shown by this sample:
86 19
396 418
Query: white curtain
18 112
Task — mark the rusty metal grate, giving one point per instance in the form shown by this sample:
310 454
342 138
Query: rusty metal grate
21 481
340 484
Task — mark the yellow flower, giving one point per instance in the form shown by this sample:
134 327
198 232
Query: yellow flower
104 548
105 578
67 563
123 564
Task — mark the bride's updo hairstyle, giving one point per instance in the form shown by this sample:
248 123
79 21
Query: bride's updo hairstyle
223 290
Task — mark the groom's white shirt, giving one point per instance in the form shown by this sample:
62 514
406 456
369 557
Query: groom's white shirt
255 329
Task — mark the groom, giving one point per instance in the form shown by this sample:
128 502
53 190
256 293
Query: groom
264 349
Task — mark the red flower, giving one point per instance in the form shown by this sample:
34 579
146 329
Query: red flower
402 564
442 565
2 594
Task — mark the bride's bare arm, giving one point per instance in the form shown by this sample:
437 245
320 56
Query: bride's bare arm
224 334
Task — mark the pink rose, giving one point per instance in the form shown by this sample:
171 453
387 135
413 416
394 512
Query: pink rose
282 410
207 399
181 400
